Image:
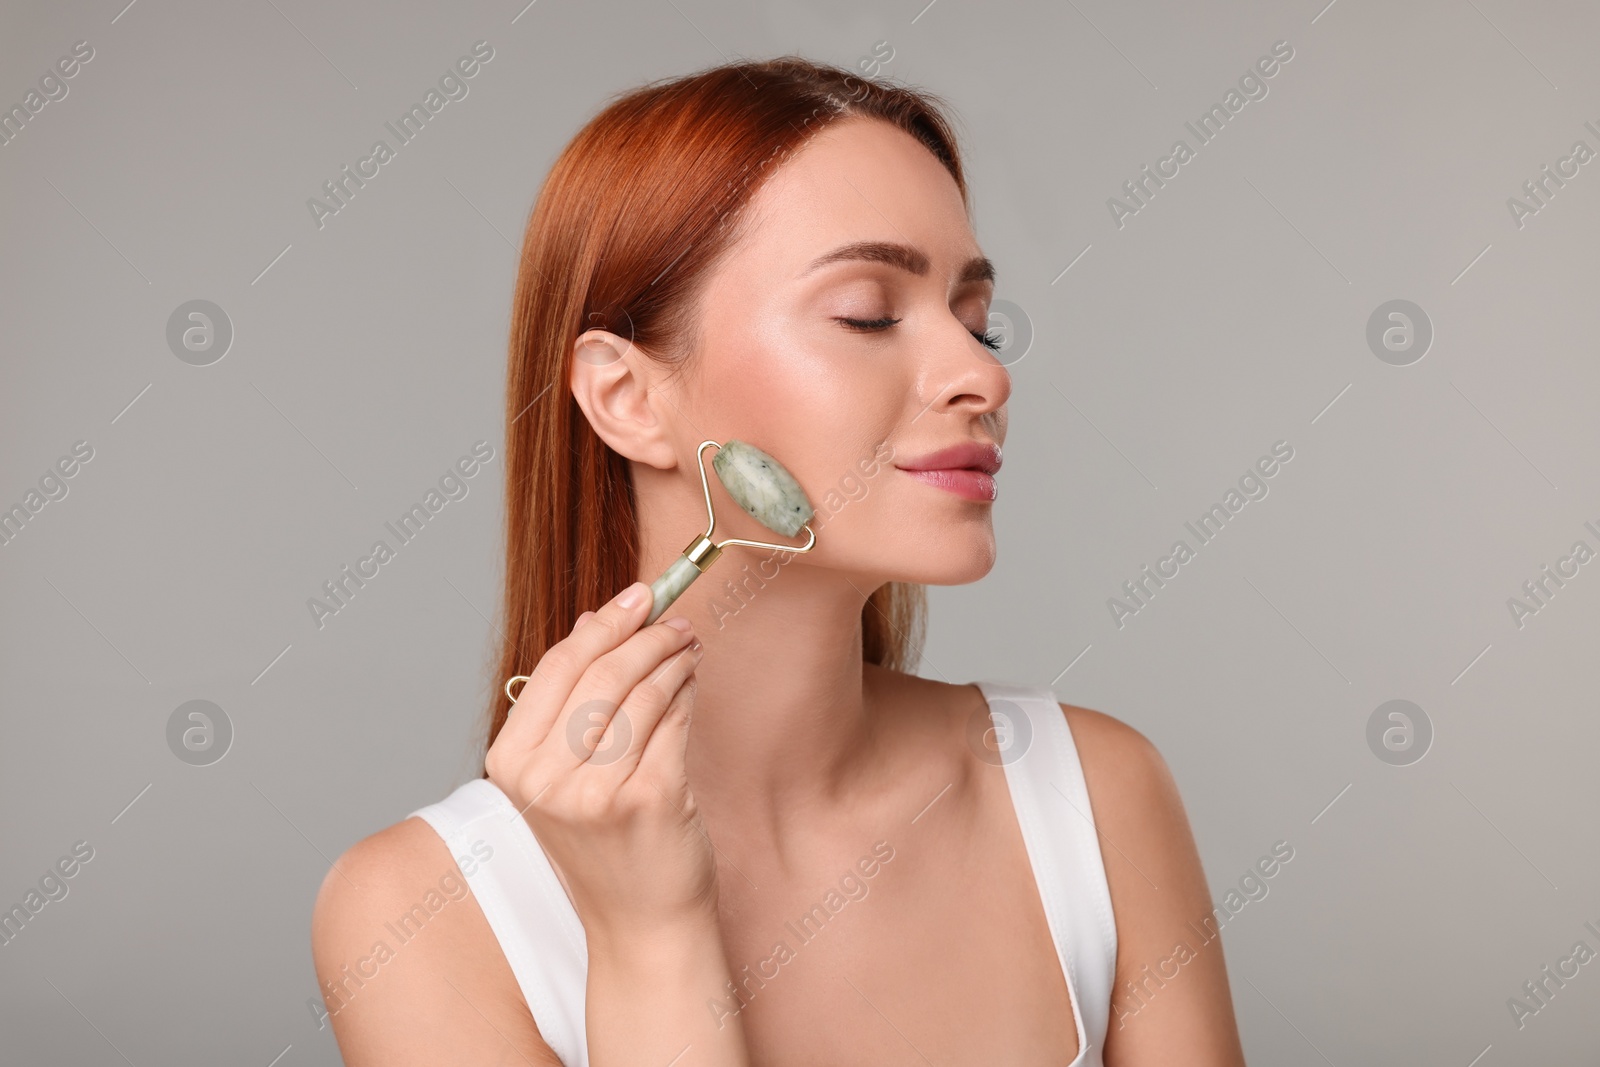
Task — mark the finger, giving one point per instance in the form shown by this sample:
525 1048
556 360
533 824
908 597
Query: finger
639 718
526 724
564 663
662 759
596 698
544 694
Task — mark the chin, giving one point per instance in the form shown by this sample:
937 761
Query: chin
925 537
952 557
959 572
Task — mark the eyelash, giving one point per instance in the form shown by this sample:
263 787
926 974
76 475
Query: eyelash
986 338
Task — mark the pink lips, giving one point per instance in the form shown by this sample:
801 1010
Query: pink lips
966 469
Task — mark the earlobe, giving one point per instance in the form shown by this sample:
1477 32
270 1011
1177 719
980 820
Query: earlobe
612 381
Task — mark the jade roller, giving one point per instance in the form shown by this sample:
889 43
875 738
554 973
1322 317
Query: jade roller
762 487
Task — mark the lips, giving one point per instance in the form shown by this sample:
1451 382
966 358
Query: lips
966 469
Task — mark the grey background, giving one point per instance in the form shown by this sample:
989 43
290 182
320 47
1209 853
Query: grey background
1230 313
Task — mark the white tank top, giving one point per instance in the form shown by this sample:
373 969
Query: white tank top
543 939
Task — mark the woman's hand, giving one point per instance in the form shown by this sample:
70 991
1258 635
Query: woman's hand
592 755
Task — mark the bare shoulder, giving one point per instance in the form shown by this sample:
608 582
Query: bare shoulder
409 969
1122 764
1136 803
1161 903
1108 733
380 875
1137 806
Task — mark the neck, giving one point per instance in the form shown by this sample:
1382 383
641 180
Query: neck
781 717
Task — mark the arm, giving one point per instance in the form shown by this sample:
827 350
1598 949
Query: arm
445 996
647 1000
1171 1001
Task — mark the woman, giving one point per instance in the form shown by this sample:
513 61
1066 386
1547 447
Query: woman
840 862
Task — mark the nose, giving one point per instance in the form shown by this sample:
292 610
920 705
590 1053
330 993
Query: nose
965 378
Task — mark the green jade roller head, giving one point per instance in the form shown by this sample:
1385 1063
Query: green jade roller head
762 487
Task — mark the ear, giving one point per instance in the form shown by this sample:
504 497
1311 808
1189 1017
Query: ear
615 383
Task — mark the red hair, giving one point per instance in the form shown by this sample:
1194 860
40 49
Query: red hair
634 215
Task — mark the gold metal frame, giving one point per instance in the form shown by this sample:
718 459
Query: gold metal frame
703 549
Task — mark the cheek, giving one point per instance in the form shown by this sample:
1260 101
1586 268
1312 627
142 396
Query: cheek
819 416
816 397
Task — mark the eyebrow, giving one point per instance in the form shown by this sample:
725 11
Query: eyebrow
909 259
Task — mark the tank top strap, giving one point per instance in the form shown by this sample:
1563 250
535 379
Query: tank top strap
526 906
1047 787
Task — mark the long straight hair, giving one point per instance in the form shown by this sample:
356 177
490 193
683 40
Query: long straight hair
634 215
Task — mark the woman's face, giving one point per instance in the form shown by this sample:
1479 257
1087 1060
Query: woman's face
839 336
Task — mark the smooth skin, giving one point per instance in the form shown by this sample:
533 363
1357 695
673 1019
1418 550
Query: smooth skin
686 850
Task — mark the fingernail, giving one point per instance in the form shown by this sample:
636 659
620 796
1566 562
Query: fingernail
696 646
678 622
633 596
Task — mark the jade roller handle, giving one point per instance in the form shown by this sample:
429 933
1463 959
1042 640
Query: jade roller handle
680 575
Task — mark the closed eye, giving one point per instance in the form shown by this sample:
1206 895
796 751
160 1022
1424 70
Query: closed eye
986 338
